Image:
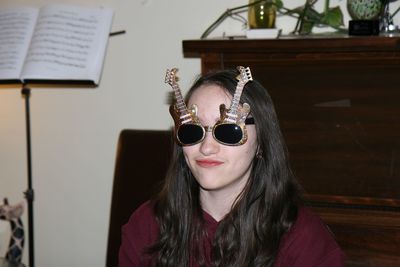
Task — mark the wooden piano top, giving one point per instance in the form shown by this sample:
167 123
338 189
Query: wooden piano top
338 102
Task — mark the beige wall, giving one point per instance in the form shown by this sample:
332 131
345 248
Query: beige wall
74 131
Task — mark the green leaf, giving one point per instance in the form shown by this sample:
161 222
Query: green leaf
306 27
333 17
313 15
278 4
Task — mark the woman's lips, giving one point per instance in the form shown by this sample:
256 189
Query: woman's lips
208 163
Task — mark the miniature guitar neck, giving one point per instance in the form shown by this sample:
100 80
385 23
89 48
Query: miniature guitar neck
180 106
243 78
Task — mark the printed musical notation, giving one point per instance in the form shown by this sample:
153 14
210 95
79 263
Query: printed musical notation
63 38
54 42
16 26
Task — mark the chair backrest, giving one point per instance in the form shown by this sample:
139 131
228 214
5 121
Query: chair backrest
142 160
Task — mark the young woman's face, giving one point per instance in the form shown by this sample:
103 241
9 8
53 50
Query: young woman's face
218 167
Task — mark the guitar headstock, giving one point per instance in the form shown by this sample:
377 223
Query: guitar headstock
245 74
170 76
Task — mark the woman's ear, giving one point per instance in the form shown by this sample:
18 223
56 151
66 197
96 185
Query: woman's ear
259 152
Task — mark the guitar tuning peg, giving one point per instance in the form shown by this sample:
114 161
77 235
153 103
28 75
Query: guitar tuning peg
174 71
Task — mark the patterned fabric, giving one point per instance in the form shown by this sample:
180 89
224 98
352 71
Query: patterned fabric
13 214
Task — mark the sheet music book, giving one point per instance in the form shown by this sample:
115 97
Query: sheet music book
55 43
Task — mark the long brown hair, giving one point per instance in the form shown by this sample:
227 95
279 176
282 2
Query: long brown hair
249 235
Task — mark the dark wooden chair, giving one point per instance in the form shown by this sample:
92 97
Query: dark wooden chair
141 163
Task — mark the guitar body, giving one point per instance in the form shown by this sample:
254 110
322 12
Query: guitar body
226 115
179 117
237 114
175 114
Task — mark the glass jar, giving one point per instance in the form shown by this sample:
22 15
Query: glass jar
262 15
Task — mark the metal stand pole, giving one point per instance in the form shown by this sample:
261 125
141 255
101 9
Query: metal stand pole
29 194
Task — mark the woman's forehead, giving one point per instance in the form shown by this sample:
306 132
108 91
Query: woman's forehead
210 94
208 100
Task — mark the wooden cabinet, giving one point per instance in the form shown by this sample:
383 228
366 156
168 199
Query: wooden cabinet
338 102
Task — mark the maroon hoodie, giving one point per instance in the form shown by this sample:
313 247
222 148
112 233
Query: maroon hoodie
308 243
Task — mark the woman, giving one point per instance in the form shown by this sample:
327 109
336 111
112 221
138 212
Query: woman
230 198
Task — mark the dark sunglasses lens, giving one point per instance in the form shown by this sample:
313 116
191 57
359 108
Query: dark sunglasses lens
190 134
230 134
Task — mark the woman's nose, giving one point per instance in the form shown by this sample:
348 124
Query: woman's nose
209 145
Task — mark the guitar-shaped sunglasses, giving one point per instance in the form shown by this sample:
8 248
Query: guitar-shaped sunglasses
229 130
